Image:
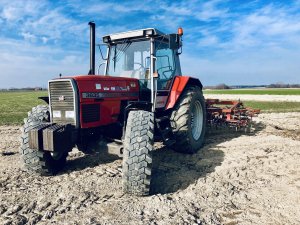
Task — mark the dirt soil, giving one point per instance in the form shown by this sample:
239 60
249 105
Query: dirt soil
236 178
275 98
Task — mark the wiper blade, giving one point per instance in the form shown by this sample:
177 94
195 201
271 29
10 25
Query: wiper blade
114 58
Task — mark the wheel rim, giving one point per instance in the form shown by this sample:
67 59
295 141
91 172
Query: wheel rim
197 120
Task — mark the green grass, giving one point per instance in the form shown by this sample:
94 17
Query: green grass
15 105
274 106
267 91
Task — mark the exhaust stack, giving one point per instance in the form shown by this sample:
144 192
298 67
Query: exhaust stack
92 48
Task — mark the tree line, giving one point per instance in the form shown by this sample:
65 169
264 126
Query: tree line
277 85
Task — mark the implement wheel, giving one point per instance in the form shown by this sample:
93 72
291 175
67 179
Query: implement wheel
137 155
41 162
188 121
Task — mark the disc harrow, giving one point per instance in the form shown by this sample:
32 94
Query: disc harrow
227 113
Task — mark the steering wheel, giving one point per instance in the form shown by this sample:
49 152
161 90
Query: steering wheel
140 69
163 73
141 66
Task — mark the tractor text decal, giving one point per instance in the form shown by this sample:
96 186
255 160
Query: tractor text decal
108 95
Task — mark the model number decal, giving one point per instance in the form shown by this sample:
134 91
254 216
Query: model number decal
108 95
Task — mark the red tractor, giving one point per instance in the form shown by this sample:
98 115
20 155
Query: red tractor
141 96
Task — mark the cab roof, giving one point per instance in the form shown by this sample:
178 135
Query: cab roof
147 32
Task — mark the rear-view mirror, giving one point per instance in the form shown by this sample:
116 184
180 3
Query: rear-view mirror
173 41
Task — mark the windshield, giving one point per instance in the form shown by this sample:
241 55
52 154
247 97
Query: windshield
130 59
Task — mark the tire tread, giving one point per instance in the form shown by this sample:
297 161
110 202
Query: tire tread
138 147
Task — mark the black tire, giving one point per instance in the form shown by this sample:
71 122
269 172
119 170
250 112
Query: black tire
137 154
36 161
182 118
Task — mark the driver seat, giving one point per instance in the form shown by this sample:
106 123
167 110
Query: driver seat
126 73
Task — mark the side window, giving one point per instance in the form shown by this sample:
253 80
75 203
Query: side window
164 65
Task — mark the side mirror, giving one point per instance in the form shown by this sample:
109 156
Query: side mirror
174 41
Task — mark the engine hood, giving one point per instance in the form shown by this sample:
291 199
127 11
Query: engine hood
89 86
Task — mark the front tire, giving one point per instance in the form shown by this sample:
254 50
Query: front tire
41 162
137 155
188 121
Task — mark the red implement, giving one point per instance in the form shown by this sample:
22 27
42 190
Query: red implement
229 113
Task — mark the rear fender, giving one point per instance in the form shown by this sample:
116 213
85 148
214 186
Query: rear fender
179 84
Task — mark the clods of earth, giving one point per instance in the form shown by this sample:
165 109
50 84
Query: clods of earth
236 178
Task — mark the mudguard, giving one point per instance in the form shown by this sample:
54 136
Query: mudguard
179 84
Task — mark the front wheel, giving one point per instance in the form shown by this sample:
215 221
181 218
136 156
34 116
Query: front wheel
137 154
188 121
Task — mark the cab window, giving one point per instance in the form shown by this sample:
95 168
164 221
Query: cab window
164 65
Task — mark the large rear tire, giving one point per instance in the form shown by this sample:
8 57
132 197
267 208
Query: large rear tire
137 154
188 121
41 162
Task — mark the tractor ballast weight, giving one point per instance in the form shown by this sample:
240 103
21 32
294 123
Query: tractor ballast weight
141 95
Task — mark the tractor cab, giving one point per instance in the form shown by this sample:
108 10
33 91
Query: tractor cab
148 55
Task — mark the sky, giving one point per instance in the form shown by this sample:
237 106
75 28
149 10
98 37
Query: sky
237 42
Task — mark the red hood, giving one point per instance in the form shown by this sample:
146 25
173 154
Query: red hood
97 78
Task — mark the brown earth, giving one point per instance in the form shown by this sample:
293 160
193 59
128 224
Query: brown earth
236 178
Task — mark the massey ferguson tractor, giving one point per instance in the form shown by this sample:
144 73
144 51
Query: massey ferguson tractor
142 96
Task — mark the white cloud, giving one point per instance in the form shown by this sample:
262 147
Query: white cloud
269 27
208 41
244 69
210 10
45 40
39 20
16 10
23 64
219 43
28 36
111 9
9 13
53 25
262 46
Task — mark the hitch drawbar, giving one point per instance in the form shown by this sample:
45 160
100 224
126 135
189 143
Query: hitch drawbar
51 137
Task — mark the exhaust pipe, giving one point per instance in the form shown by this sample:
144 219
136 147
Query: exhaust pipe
92 48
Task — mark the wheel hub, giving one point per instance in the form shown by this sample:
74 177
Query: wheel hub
196 120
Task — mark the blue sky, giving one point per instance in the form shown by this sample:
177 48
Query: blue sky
232 42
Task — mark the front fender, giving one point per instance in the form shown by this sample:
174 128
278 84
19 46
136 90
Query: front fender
45 99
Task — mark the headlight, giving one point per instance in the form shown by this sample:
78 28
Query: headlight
70 114
56 114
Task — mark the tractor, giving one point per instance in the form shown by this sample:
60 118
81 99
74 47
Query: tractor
141 98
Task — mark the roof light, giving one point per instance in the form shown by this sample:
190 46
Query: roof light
180 31
129 34
132 34
149 32
106 39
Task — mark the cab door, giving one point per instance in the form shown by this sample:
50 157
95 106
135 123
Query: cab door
167 66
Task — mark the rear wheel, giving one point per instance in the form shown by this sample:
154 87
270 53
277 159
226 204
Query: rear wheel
42 162
188 121
137 155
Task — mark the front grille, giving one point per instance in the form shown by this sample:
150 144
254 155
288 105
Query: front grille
61 95
90 113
